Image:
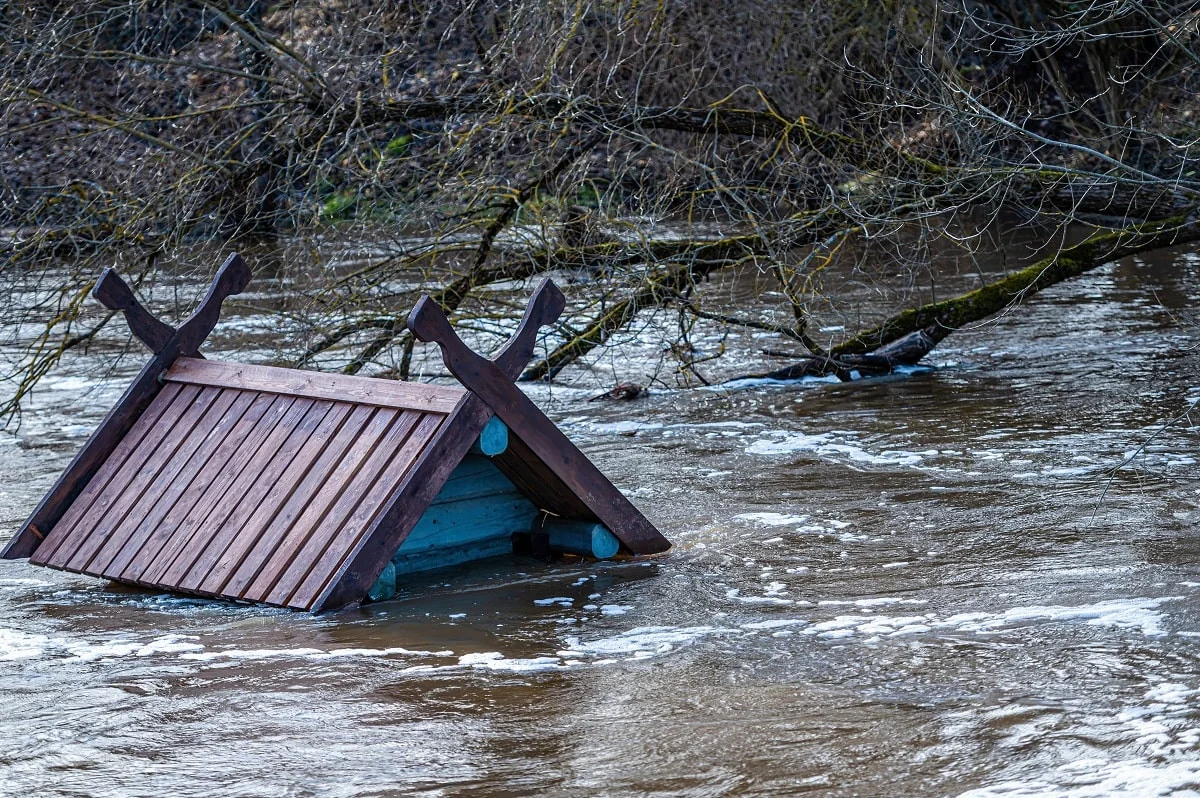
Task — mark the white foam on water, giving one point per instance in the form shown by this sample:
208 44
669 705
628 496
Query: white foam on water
495 661
766 382
834 446
1097 778
614 609
622 427
1132 613
18 645
244 654
562 601
251 654
771 519
1139 614
878 601
735 594
1166 735
641 642
19 585
801 525
1170 693
774 624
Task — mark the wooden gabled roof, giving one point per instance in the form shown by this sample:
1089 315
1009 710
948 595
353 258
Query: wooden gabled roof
289 487
245 482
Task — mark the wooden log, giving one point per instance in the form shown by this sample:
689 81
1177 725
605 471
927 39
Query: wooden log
469 521
906 351
578 537
493 440
447 557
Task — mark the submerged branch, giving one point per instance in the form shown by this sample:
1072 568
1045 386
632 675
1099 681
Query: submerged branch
896 341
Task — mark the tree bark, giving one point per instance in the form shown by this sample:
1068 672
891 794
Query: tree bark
890 344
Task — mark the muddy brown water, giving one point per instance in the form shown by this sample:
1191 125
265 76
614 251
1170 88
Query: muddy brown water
981 579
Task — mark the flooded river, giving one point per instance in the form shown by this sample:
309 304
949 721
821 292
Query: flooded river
981 579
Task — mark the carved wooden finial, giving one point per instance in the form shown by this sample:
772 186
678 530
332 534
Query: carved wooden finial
115 294
232 278
429 323
492 381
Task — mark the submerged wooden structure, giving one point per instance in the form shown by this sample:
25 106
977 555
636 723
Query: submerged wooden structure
312 490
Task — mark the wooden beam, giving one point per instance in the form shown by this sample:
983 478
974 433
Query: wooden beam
484 379
115 294
316 385
585 538
231 279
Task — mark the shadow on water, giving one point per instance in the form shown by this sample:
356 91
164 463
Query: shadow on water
981 579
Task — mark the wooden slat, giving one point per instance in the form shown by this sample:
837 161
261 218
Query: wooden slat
317 385
176 454
330 454
211 506
195 456
115 427
269 472
355 513
320 517
109 531
146 424
90 529
217 475
213 530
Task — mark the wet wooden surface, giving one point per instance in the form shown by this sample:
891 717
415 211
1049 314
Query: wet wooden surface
239 494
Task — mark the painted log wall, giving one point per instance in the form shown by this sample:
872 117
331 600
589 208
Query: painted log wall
473 516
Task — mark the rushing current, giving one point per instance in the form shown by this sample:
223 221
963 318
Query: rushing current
978 579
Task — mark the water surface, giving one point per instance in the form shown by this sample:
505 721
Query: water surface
981 579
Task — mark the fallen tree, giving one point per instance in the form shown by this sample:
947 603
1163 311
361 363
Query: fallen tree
907 337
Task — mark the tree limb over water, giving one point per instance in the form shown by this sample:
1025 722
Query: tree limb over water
904 339
694 170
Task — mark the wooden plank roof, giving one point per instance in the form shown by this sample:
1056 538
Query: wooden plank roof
289 487
234 487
